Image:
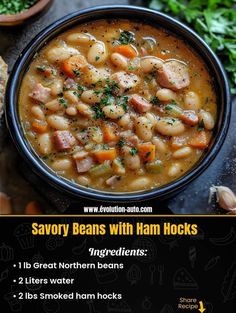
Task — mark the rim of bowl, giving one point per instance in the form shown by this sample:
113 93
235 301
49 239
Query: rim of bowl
97 12
18 17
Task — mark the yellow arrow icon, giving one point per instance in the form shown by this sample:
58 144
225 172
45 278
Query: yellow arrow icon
201 307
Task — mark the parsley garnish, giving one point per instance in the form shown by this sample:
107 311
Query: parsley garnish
133 151
98 111
126 37
105 147
97 58
63 102
77 73
154 100
121 143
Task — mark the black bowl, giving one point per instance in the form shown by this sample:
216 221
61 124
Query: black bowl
128 12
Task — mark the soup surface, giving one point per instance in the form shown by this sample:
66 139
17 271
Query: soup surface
118 106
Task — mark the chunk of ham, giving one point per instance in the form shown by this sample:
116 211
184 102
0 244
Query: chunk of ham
140 104
40 93
63 140
125 81
84 165
173 75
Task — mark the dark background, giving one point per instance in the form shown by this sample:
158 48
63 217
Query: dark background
193 200
209 258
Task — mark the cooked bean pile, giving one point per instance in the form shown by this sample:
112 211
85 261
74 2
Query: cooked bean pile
118 106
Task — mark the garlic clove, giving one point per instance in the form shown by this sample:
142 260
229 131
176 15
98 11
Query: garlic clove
225 197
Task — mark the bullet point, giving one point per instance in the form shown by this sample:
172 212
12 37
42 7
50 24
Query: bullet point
14 296
14 281
14 265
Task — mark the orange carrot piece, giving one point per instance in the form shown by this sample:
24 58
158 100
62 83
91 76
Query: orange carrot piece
126 50
104 155
39 126
33 208
200 140
109 134
73 64
146 152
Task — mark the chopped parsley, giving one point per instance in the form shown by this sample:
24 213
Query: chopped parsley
107 100
121 143
106 147
111 87
97 58
154 100
126 37
63 102
98 111
77 73
133 151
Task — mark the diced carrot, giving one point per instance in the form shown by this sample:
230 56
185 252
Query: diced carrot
33 208
104 155
126 50
109 134
200 140
147 152
73 64
39 126
177 142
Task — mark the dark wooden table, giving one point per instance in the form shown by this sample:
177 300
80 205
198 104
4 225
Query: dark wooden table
21 190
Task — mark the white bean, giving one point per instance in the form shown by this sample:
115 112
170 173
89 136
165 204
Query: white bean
170 126
113 111
119 60
53 105
45 144
126 121
140 183
207 119
59 54
72 111
132 161
192 101
71 96
151 118
161 146
62 165
97 53
79 38
90 97
174 170
166 94
93 75
58 122
37 112
83 180
182 153
143 128
56 87
149 64
84 109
